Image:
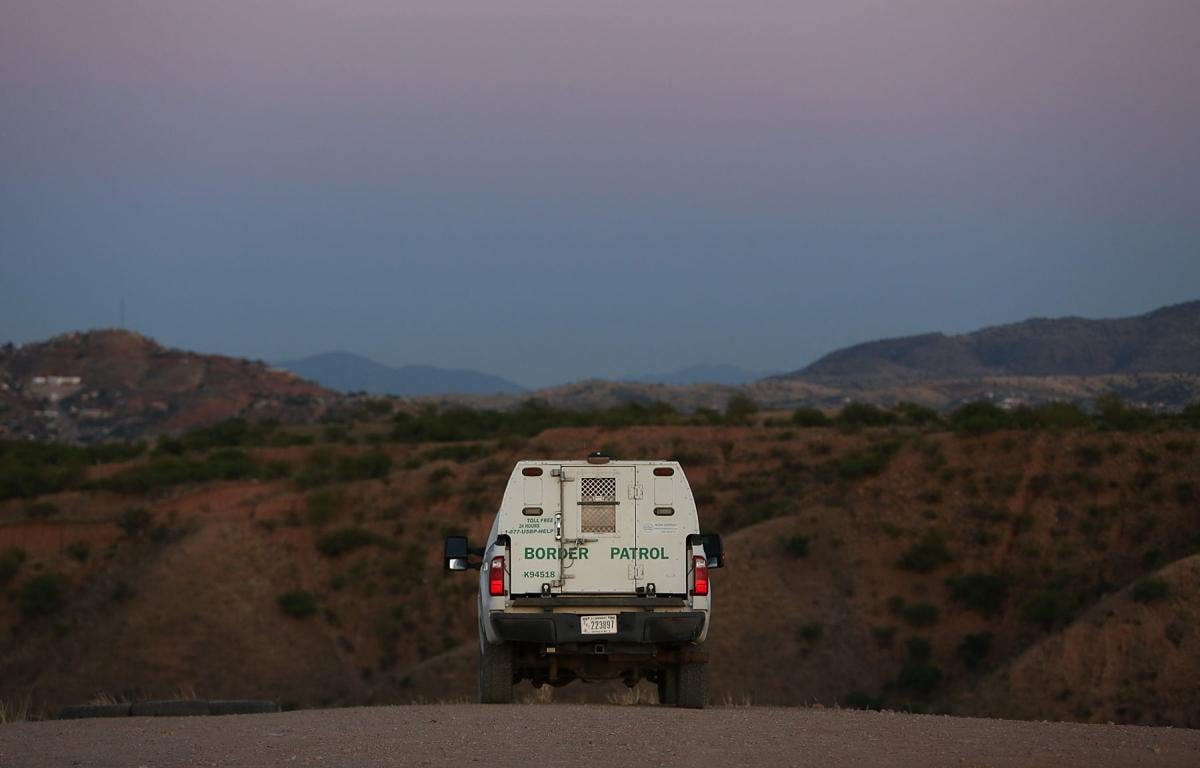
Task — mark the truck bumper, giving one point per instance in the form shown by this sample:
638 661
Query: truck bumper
632 627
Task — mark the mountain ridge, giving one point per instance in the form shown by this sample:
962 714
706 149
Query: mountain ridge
1165 340
352 372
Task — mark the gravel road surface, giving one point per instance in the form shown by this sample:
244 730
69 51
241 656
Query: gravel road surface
533 736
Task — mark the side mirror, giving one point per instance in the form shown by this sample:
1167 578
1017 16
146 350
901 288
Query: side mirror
714 550
455 554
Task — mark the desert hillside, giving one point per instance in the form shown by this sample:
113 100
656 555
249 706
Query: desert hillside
118 385
957 566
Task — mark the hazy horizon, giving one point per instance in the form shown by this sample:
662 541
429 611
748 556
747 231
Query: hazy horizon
551 191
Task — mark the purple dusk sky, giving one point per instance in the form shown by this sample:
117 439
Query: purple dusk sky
553 190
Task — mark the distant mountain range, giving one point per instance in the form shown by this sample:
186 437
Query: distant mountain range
705 373
347 372
1166 340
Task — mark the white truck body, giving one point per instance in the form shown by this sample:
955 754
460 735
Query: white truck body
597 561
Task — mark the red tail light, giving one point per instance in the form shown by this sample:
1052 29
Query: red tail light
496 577
700 581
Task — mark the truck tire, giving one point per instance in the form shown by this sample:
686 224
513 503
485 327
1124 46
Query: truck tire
496 674
668 686
692 691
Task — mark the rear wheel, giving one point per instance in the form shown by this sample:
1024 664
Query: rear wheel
668 686
692 691
496 674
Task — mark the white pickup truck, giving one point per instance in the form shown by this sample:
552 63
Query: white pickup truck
594 570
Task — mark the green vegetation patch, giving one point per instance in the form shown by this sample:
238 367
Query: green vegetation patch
42 595
984 593
297 603
1150 590
926 555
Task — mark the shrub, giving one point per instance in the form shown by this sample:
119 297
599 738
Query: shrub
11 559
917 415
810 417
974 648
1114 414
860 464
740 409
926 555
322 506
984 593
918 649
979 417
297 603
79 550
1056 416
811 633
1149 590
42 594
865 415
919 678
797 546
344 540
135 522
920 614
1048 607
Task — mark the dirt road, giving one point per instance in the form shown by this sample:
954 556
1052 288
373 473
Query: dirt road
534 736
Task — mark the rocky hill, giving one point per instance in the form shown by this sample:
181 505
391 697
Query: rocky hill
104 385
1164 341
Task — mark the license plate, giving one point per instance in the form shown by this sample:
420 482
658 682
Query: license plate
598 625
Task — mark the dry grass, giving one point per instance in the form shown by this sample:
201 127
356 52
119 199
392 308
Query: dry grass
16 711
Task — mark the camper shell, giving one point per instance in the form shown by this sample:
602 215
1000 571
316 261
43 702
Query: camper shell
593 569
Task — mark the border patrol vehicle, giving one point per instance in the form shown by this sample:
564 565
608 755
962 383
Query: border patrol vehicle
593 570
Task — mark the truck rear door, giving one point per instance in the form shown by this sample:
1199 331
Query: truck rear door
665 516
599 546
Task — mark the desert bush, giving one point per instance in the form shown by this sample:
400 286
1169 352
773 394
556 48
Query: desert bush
1113 414
797 546
811 632
867 463
810 417
979 417
865 415
29 468
135 522
42 594
79 551
324 466
1056 416
1048 607
983 593
1149 590
740 409
926 555
342 540
974 648
297 604
918 677
917 415
322 506
11 559
920 614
